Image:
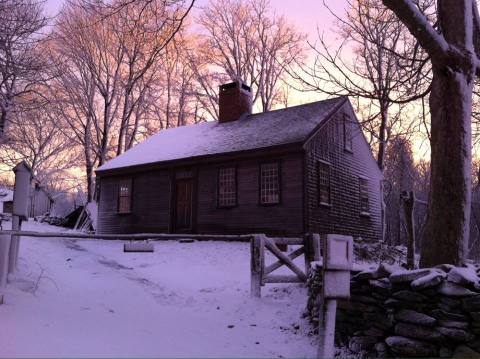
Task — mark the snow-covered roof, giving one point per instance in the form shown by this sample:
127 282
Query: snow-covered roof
262 130
6 195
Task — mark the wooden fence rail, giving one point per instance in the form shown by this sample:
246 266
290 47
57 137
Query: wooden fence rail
260 274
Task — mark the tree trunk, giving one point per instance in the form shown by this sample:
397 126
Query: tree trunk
382 135
448 218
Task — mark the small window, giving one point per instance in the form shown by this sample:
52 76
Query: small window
227 187
269 183
348 133
324 194
363 193
125 196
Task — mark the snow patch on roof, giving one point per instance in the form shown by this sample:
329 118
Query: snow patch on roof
6 195
263 130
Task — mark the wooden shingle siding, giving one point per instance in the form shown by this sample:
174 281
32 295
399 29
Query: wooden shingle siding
343 216
249 216
150 204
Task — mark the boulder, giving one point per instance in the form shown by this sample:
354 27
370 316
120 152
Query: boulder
432 279
361 343
382 286
472 304
410 296
410 347
453 324
418 332
407 276
454 290
457 335
411 316
463 276
463 352
443 315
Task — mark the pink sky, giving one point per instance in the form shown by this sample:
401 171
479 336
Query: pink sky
305 14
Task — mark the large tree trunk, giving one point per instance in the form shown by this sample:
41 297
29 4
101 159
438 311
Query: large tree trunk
454 64
448 218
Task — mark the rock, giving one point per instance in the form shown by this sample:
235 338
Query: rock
475 316
417 332
462 351
364 299
361 343
443 315
407 276
474 344
457 335
385 270
382 286
366 275
410 296
463 276
410 347
452 324
374 332
445 267
411 316
445 352
381 350
453 290
432 279
472 304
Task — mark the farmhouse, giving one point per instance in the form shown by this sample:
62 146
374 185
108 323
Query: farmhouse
286 172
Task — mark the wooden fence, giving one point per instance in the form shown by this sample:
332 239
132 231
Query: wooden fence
260 274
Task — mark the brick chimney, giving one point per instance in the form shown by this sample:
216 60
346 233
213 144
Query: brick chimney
235 100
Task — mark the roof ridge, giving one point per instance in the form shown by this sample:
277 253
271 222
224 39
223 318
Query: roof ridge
338 98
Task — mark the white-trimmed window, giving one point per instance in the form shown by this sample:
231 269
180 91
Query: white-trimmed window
363 195
270 183
227 187
125 196
324 190
348 133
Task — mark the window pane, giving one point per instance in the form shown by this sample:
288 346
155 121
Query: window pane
324 182
269 183
363 192
227 188
125 196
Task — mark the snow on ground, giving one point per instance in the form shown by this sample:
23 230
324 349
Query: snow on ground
88 298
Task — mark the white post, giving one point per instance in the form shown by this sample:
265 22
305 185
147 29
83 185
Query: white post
14 245
326 329
4 259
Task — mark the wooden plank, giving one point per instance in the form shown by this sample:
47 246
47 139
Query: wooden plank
257 263
136 236
296 253
282 257
288 241
272 278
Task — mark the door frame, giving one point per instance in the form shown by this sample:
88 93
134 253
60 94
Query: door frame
179 174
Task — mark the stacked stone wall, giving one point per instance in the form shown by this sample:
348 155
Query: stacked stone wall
401 313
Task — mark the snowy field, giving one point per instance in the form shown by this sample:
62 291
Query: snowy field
88 298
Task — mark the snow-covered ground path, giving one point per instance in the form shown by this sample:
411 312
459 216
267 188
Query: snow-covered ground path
88 298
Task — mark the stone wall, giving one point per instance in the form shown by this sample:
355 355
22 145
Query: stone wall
400 313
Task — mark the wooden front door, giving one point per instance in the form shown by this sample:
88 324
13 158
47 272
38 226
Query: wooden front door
184 204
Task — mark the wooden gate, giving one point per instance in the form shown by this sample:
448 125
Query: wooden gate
260 275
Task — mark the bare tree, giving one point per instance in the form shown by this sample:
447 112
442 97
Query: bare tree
453 51
246 40
21 63
377 62
36 137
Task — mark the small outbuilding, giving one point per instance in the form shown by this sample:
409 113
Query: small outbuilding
291 171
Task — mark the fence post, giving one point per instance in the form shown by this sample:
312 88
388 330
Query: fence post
5 242
316 247
14 245
257 264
